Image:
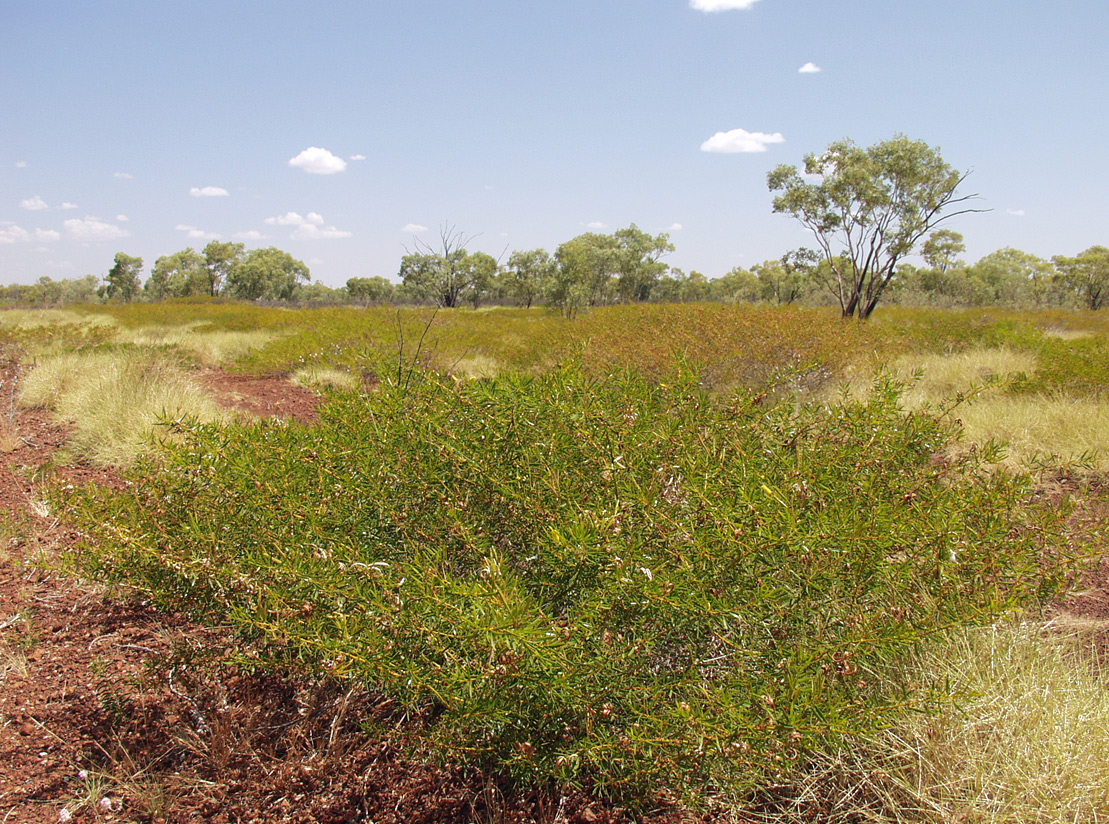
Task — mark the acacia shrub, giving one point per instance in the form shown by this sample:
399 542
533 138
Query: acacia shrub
617 582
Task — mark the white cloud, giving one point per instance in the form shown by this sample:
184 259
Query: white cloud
193 233
596 224
251 235
94 230
413 227
309 227
357 157
21 164
294 219
10 233
720 5
67 205
738 140
208 191
123 175
47 235
312 232
33 204
809 68
1015 212
122 218
317 161
674 227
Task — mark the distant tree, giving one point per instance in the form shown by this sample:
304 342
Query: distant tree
219 260
178 275
369 291
267 274
80 290
440 275
868 210
638 264
942 249
1086 275
587 267
481 269
737 286
1011 277
526 275
124 278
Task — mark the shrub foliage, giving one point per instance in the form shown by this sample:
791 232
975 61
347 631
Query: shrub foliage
612 581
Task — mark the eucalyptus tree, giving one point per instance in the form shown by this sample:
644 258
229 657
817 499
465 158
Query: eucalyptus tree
267 274
638 265
867 209
124 278
446 275
527 274
219 259
1086 275
178 275
942 249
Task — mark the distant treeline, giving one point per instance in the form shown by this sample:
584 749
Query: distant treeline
589 270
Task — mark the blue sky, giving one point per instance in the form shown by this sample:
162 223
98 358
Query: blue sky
336 130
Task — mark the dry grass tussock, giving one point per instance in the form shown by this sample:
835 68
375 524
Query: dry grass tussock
320 377
114 399
1035 428
931 379
1027 740
1039 428
212 347
34 318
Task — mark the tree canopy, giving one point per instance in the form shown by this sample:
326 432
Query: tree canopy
867 209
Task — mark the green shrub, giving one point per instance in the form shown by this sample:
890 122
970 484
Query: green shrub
614 582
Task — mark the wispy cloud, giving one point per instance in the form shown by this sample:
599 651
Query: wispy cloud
67 206
193 233
674 227
720 5
122 218
596 224
208 191
250 235
33 204
413 227
11 233
809 68
739 140
358 157
317 161
123 176
309 227
93 230
1015 212
21 164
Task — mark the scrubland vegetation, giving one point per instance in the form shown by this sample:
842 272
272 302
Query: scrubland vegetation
749 557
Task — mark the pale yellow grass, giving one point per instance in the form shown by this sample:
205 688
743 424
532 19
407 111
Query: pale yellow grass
476 366
114 399
1030 743
33 318
933 378
211 347
1037 428
1034 428
318 377
1025 740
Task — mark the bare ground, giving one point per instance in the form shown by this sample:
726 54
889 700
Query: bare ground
105 716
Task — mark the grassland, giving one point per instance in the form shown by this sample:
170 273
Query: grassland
760 540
